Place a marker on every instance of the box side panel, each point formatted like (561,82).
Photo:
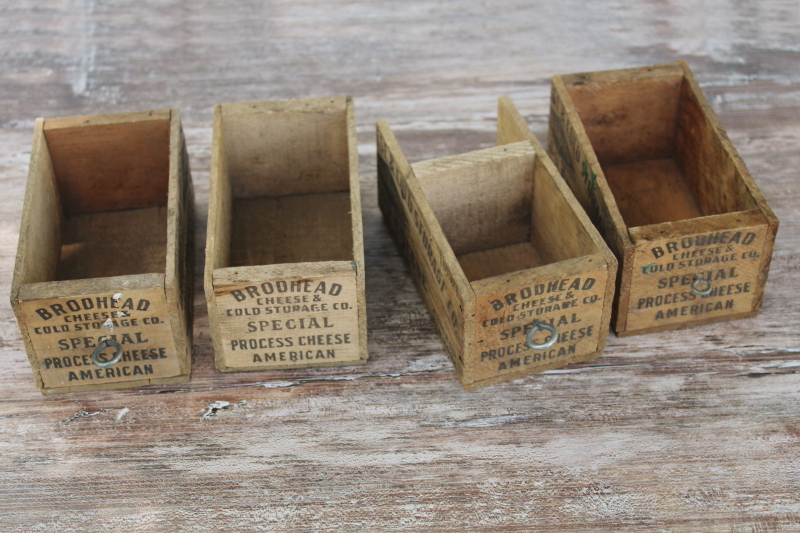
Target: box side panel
(114,162)
(179,280)
(570,150)
(725,251)
(705,158)
(481,199)
(76,121)
(572,231)
(433,265)
(114,243)
(357,228)
(722,195)
(636,73)
(570,296)
(286,148)
(39,245)
(66,330)
(629,119)
(302,228)
(218,231)
(576,234)
(288,316)
(766,258)
(511,127)
(556,231)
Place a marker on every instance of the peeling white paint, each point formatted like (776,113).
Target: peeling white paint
(108,325)
(735,350)
(88,49)
(214,407)
(83,413)
(773,365)
(279,384)
(429,363)
(218,405)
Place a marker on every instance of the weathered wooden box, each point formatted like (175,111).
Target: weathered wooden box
(284,272)
(514,274)
(102,285)
(647,158)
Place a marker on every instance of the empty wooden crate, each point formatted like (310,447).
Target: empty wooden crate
(284,274)
(102,286)
(515,276)
(647,158)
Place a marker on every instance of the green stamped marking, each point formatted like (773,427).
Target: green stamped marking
(646,267)
(588,176)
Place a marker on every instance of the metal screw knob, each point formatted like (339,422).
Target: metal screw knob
(107,342)
(537,325)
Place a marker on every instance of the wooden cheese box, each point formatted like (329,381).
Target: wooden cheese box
(514,274)
(103,282)
(647,158)
(284,271)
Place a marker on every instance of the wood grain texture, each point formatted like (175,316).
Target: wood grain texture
(658,179)
(300,228)
(286,147)
(693,430)
(481,199)
(113,243)
(497,261)
(108,163)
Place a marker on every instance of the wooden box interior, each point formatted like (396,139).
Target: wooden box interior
(661,157)
(500,211)
(112,181)
(287,173)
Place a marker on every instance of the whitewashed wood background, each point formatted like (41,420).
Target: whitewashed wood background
(693,430)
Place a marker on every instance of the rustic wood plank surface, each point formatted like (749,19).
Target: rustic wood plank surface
(689,430)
